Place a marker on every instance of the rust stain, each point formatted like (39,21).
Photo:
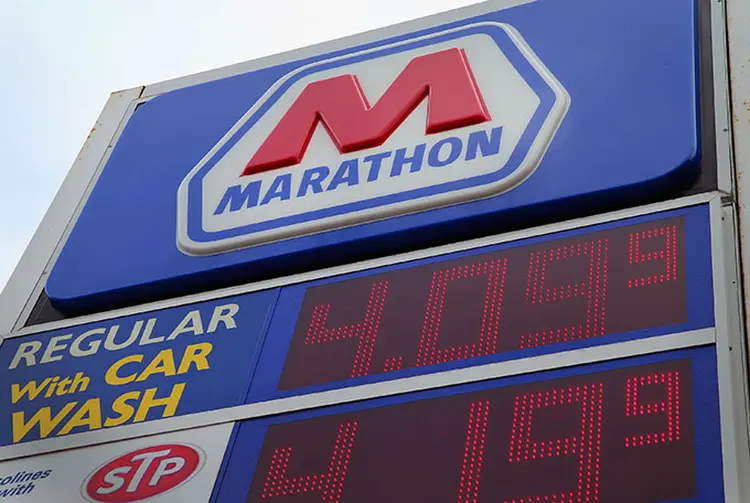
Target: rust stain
(86,142)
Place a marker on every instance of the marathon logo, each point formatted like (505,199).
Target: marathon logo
(368,169)
(410,126)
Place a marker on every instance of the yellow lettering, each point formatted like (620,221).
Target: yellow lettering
(163,363)
(42,417)
(80,383)
(90,414)
(16,392)
(123,408)
(170,403)
(195,353)
(113,378)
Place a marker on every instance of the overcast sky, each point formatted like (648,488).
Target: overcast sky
(60,59)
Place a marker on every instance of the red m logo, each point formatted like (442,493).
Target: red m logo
(340,104)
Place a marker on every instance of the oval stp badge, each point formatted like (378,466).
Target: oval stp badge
(431,121)
(143,474)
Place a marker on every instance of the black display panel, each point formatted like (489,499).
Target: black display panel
(618,436)
(621,279)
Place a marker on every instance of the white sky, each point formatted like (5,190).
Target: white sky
(60,59)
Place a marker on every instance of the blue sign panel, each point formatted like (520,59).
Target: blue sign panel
(537,109)
(635,430)
(139,368)
(613,282)
(634,278)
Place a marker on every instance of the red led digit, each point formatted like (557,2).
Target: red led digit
(670,407)
(556,438)
(586,446)
(366,330)
(593,288)
(428,352)
(525,295)
(393,363)
(667,254)
(330,483)
(476,436)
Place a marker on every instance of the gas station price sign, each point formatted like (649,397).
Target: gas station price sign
(617,432)
(637,277)
(631,278)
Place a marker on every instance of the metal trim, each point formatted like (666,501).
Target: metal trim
(465,375)
(369,264)
(738,53)
(373,35)
(27,280)
(731,389)
(722,122)
(738,35)
(102,161)
(730,351)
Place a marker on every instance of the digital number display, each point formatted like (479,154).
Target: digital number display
(519,297)
(624,435)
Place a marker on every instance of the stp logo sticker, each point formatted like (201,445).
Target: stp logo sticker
(143,474)
(430,121)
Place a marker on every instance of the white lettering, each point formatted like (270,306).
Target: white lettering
(26,350)
(114,479)
(146,337)
(190,323)
(75,348)
(164,468)
(224,314)
(111,345)
(148,458)
(53,346)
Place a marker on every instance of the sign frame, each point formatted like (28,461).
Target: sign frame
(25,288)
(26,285)
(727,335)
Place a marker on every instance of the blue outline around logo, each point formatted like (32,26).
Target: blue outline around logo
(537,83)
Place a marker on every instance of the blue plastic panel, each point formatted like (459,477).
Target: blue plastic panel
(653,276)
(635,430)
(137,368)
(631,130)
(342,347)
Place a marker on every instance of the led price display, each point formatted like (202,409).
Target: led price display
(524,296)
(619,436)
